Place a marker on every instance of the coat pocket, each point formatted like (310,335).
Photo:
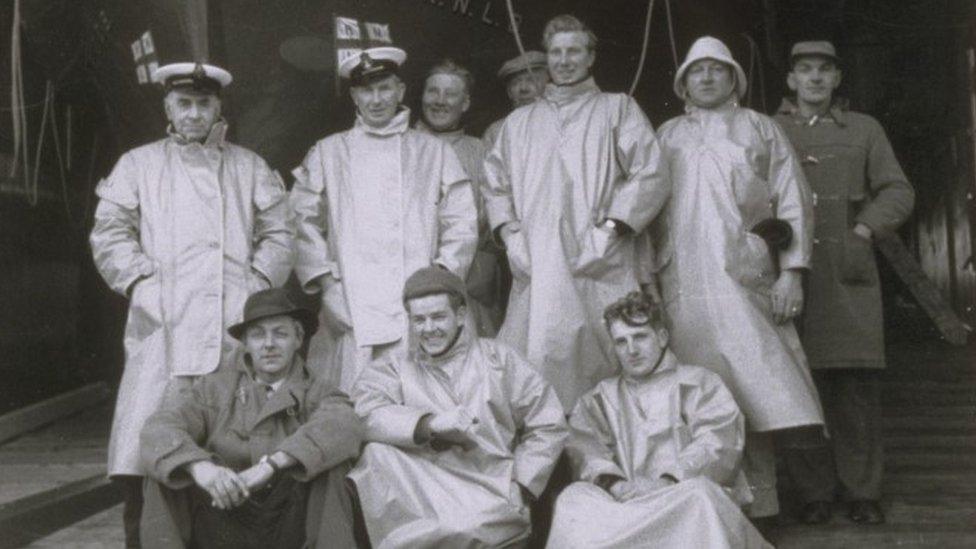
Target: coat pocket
(857,261)
(592,253)
(145,307)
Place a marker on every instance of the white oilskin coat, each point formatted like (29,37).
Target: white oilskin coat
(680,421)
(418,495)
(562,166)
(194,224)
(732,167)
(373,205)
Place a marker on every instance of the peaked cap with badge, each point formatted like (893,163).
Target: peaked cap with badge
(372,64)
(199,77)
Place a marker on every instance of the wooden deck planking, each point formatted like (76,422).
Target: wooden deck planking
(64,452)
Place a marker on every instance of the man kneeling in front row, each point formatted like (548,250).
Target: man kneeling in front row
(243,456)
(462,433)
(657,450)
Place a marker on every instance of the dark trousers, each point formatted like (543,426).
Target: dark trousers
(851,464)
(274,517)
(316,514)
(131,488)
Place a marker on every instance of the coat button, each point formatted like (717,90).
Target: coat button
(215,245)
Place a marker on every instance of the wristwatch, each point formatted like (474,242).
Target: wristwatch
(266,459)
(612,225)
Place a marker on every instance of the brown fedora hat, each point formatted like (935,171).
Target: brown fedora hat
(273,302)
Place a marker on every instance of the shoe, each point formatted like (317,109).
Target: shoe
(866,511)
(815,512)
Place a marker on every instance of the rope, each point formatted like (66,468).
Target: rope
(18,116)
(515,29)
(643,55)
(32,189)
(674,46)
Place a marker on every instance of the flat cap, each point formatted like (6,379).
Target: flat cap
(199,77)
(822,48)
(529,60)
(433,280)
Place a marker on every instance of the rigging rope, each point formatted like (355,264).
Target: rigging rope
(643,55)
(674,46)
(515,29)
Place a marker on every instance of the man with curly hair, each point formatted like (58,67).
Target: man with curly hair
(656,449)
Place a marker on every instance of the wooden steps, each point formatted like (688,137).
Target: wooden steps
(929,425)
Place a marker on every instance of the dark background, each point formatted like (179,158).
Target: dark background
(905,62)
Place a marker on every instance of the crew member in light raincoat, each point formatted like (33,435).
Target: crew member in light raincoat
(861,193)
(525,78)
(254,455)
(186,228)
(656,450)
(463,434)
(373,204)
(729,303)
(572,180)
(446,97)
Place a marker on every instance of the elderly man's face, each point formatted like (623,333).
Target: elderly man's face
(192,113)
(445,100)
(377,101)
(570,57)
(526,86)
(814,79)
(639,348)
(434,323)
(271,343)
(710,83)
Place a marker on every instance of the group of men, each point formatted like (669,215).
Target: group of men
(655,280)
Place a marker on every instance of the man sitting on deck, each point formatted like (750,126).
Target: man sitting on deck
(657,450)
(462,433)
(242,457)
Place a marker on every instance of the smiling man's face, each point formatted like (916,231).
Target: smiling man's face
(570,57)
(271,343)
(444,101)
(435,323)
(377,101)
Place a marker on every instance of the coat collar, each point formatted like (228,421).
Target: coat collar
(289,397)
(730,104)
(669,363)
(459,349)
(397,125)
(215,139)
(451,136)
(560,95)
(838,112)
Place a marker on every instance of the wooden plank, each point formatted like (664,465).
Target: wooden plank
(33,517)
(31,417)
(953,329)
